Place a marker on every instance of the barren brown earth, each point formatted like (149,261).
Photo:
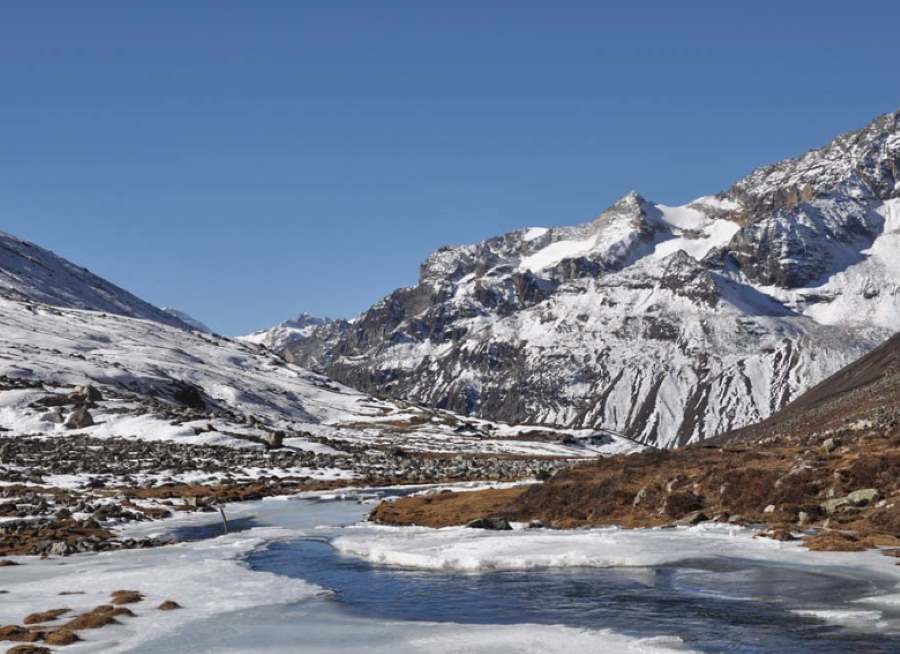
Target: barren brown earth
(837,492)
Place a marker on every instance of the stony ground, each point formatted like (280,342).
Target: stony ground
(63,495)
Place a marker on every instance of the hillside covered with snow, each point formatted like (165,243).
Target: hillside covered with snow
(31,273)
(160,382)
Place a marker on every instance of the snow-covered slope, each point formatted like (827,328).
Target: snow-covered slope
(188,319)
(28,272)
(672,323)
(165,383)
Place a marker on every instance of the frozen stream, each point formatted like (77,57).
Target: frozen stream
(716,601)
(307,575)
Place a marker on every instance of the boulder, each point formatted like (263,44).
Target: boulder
(87,394)
(273,440)
(859,497)
(832,505)
(831,444)
(691,519)
(60,548)
(79,419)
(863,496)
(496,524)
(54,415)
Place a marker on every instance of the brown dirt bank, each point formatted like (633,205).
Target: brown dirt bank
(839,491)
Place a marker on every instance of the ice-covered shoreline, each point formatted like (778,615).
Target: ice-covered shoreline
(461,549)
(464,549)
(211,581)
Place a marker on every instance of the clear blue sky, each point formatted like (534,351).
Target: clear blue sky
(247,161)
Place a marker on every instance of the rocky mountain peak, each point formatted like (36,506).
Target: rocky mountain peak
(669,323)
(863,164)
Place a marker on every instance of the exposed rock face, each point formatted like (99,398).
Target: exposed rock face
(671,324)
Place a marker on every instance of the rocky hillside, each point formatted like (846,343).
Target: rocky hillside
(671,324)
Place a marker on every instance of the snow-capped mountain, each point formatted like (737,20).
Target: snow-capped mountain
(283,334)
(668,323)
(31,273)
(188,319)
